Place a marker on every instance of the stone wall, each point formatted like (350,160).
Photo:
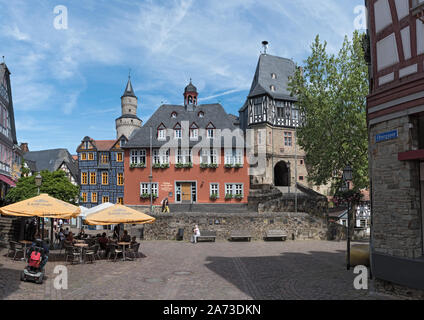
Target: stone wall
(395,192)
(307,201)
(298,226)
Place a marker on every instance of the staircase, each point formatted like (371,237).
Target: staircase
(9,229)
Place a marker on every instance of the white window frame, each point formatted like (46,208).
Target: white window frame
(185,155)
(194,134)
(234,189)
(210,133)
(145,188)
(137,155)
(211,187)
(162,134)
(178,133)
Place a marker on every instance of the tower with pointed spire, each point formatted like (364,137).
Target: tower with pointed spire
(128,121)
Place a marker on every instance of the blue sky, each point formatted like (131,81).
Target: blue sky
(67,84)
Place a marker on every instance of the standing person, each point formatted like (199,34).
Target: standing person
(54,224)
(165,205)
(116,231)
(196,233)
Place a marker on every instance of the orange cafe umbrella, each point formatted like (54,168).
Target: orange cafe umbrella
(43,206)
(118,214)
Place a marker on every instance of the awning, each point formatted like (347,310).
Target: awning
(411,155)
(7,180)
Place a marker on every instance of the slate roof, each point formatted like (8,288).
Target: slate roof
(283,68)
(51,160)
(190,88)
(2,70)
(129,92)
(213,113)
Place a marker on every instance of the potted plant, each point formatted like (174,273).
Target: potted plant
(238,197)
(179,165)
(238,165)
(213,196)
(204,165)
(228,196)
(145,196)
(188,165)
(156,166)
(213,166)
(228,165)
(165,165)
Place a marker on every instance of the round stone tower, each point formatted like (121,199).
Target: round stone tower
(128,121)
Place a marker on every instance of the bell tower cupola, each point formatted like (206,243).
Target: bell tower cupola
(190,95)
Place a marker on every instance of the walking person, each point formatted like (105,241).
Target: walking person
(196,233)
(165,205)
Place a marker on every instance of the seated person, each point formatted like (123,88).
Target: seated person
(66,232)
(70,238)
(81,234)
(126,237)
(103,241)
(133,240)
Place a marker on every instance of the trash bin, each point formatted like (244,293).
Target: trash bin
(180,234)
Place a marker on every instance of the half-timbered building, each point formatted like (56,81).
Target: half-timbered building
(395,114)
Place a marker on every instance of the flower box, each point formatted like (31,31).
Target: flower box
(228,166)
(165,166)
(156,166)
(213,196)
(238,197)
(179,165)
(147,196)
(137,165)
(204,165)
(238,166)
(213,166)
(228,196)
(188,165)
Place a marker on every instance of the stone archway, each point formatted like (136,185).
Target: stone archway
(282,174)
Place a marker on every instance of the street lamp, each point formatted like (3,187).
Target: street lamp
(38,181)
(347,176)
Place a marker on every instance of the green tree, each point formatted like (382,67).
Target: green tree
(332,92)
(55,184)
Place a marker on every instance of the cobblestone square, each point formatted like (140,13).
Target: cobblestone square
(223,271)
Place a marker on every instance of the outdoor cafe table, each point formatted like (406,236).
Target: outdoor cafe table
(123,244)
(25,243)
(81,246)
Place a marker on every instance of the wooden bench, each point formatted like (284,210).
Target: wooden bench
(207,236)
(240,235)
(275,235)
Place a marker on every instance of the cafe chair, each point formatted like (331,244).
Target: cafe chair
(15,248)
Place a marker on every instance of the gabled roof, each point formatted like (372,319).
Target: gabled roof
(51,160)
(282,68)
(213,113)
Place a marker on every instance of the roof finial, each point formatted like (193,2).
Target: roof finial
(129,73)
(265,45)
(3,60)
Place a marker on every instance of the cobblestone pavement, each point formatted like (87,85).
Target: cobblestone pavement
(222,271)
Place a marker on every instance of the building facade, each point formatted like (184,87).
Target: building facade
(190,153)
(101,171)
(395,52)
(10,153)
(270,111)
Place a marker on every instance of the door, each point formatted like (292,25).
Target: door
(186,192)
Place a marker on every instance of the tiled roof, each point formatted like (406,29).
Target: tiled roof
(51,160)
(104,145)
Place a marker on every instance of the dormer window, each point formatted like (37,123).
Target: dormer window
(273,76)
(201,114)
(162,132)
(177,131)
(210,130)
(272,88)
(173,114)
(194,132)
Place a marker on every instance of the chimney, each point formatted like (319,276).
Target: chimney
(24,147)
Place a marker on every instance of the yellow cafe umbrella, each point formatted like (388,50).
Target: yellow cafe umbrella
(43,206)
(118,214)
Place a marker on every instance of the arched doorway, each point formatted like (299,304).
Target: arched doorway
(281,174)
